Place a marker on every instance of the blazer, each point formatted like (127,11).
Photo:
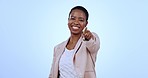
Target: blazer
(84,59)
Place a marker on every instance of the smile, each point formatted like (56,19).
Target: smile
(75,27)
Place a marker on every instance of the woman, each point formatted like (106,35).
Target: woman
(75,57)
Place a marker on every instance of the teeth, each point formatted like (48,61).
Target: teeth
(75,27)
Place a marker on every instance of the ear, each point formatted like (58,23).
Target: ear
(86,23)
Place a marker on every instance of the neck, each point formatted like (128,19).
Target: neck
(74,38)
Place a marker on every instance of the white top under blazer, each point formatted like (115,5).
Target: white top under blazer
(66,66)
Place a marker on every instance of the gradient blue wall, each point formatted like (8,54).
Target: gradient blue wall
(29,30)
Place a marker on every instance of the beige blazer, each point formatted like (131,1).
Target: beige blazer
(84,59)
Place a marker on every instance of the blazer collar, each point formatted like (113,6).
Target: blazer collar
(62,47)
(78,44)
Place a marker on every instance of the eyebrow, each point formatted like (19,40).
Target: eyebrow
(78,17)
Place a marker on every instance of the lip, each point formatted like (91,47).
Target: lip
(75,27)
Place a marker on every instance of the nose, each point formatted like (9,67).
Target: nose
(76,22)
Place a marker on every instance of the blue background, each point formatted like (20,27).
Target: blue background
(29,30)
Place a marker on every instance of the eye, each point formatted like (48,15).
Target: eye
(81,20)
(72,18)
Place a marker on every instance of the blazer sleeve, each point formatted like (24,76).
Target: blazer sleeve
(93,45)
(52,66)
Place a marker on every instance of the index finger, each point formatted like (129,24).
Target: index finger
(85,29)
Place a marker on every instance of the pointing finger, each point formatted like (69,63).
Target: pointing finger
(85,29)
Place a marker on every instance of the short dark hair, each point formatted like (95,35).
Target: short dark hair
(82,9)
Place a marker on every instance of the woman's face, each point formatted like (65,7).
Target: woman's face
(77,22)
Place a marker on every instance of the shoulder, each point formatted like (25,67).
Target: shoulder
(95,34)
(60,45)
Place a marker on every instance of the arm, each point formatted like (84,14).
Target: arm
(92,40)
(52,66)
(93,44)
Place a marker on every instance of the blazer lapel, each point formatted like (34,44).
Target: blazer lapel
(78,45)
(59,52)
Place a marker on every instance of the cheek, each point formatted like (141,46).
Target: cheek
(83,24)
(69,22)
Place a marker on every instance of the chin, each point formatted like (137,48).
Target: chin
(74,33)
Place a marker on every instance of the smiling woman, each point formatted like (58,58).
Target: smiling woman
(75,57)
(29,30)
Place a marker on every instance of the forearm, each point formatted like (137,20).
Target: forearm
(93,44)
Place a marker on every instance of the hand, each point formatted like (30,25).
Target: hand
(87,35)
